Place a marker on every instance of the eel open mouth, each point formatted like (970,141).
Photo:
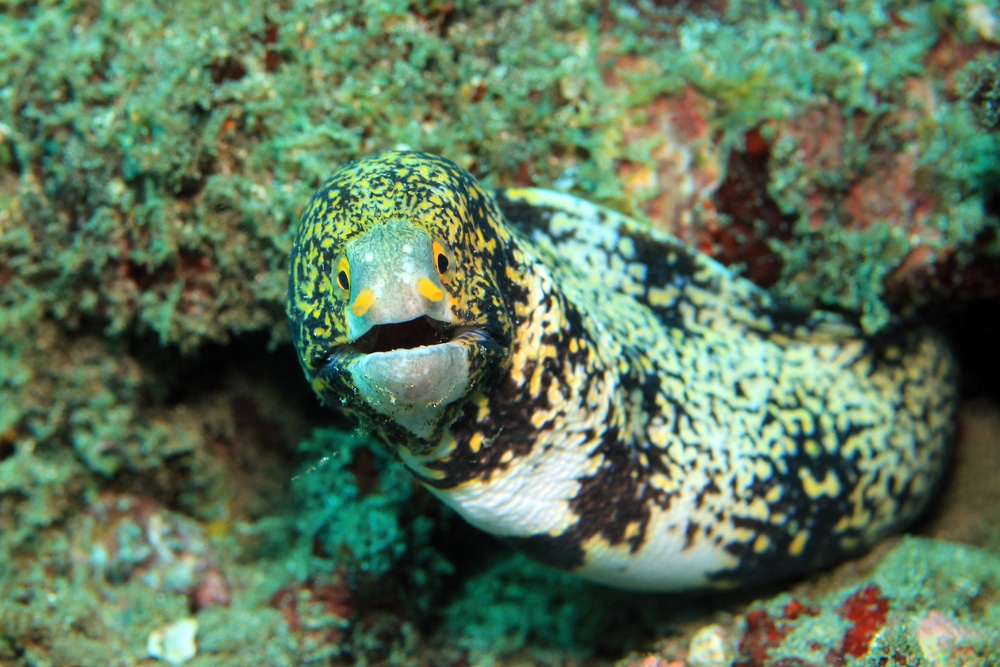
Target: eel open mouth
(420,332)
(409,371)
(417,333)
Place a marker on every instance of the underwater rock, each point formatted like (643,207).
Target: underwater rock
(174,643)
(122,538)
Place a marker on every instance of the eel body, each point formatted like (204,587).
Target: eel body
(600,395)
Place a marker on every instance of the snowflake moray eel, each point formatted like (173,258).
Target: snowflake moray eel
(600,395)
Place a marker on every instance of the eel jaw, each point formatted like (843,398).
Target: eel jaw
(411,371)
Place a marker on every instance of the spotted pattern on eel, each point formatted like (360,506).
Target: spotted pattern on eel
(600,395)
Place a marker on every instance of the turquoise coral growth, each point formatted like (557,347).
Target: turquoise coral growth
(357,511)
(528,605)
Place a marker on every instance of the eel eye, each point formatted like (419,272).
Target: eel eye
(442,259)
(344,273)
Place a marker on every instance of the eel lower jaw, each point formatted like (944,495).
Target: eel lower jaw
(411,371)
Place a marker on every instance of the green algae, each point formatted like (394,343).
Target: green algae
(64,621)
(871,249)
(183,166)
(260,637)
(169,162)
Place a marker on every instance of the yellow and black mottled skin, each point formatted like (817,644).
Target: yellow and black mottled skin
(634,412)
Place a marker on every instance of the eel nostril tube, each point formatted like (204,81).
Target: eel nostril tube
(363,302)
(429,290)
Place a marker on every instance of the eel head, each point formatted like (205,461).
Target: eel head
(395,298)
